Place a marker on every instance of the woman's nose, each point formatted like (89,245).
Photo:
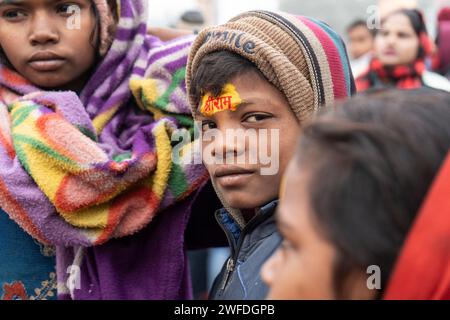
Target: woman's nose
(391,40)
(42,30)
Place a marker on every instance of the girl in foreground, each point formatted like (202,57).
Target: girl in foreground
(88,105)
(365,209)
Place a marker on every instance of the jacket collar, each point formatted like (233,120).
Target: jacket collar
(230,226)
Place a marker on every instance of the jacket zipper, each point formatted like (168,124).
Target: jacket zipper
(231,263)
(230,269)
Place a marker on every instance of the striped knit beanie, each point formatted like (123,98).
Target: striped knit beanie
(303,57)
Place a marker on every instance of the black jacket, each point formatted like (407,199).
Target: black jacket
(240,276)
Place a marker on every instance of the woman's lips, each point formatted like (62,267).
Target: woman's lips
(45,61)
(47,65)
(390,53)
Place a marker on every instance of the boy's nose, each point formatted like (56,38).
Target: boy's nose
(42,31)
(230,145)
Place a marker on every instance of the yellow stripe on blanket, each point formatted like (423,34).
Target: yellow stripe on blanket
(160,179)
(103,119)
(93,217)
(147,90)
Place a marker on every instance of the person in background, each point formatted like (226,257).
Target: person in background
(191,20)
(360,46)
(443,42)
(402,50)
(365,207)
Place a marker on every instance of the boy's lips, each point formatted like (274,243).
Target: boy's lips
(230,176)
(45,61)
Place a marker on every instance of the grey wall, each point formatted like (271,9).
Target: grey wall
(339,13)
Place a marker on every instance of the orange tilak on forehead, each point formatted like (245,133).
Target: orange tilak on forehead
(228,100)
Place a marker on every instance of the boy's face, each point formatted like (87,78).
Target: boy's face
(264,126)
(49,42)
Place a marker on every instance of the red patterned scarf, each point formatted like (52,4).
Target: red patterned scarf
(402,77)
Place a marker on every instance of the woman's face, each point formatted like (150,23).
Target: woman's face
(49,42)
(396,43)
(303,267)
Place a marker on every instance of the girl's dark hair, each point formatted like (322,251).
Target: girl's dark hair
(417,22)
(371,162)
(95,35)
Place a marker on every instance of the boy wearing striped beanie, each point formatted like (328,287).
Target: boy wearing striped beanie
(265,73)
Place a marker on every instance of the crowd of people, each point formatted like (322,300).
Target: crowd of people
(334,184)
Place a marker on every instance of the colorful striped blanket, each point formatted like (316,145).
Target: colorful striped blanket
(79,170)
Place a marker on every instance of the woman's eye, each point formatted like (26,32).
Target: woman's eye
(256,117)
(13,14)
(68,9)
(208,125)
(403,35)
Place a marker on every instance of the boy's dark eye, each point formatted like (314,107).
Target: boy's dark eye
(208,125)
(256,117)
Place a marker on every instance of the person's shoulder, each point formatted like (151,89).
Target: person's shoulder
(436,81)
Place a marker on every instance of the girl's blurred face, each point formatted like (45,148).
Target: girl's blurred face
(49,42)
(396,43)
(303,267)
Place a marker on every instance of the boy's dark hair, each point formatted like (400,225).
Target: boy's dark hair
(371,163)
(360,23)
(215,70)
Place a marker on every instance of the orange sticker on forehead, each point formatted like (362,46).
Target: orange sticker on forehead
(228,100)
